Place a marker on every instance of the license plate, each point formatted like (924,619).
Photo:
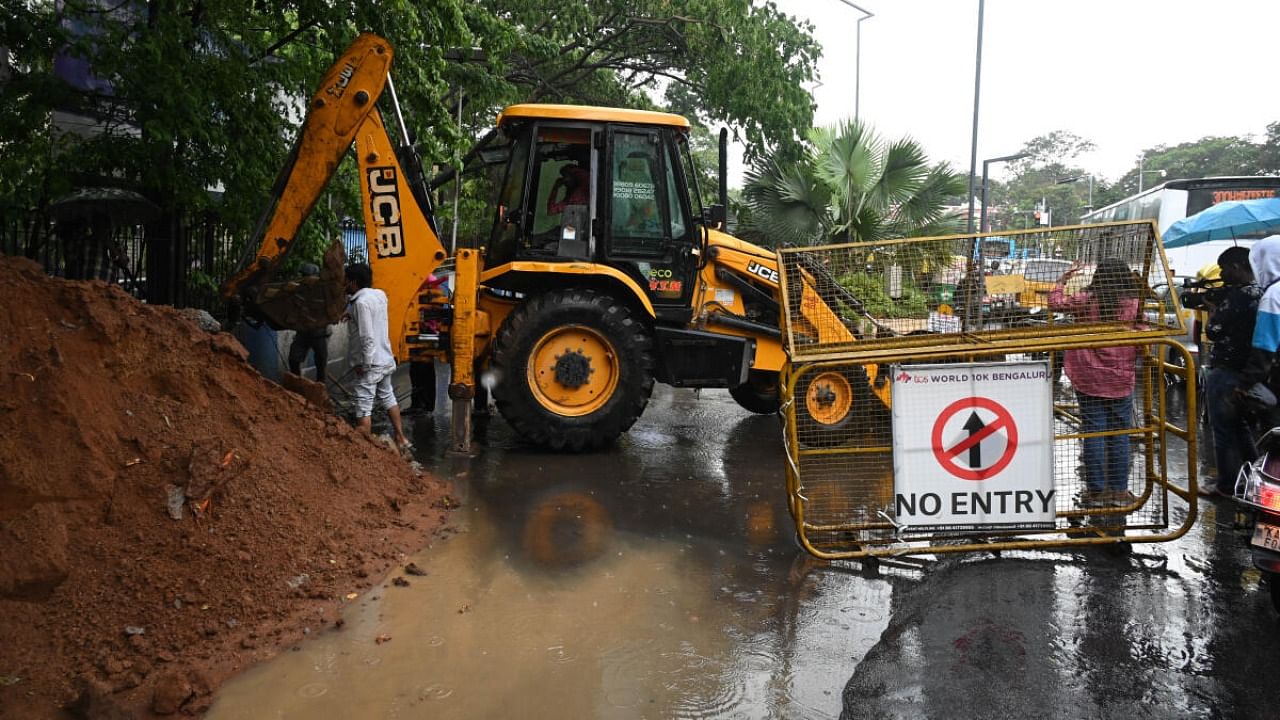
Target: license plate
(1266,536)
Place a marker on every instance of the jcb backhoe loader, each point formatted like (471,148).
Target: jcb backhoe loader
(602,274)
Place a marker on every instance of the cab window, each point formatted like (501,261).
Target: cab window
(560,197)
(678,225)
(508,225)
(639,217)
(690,174)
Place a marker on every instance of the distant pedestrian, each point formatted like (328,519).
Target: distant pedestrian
(1104,379)
(313,340)
(370,351)
(1234,309)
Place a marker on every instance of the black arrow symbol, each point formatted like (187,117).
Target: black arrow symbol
(974,425)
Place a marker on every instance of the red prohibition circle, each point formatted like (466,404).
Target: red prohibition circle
(1003,419)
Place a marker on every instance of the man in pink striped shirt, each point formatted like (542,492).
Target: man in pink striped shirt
(1103,378)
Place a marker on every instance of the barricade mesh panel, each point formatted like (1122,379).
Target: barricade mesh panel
(844,490)
(933,397)
(923,292)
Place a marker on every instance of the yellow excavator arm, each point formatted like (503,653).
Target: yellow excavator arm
(403,248)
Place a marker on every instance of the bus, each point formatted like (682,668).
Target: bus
(1169,202)
(1174,200)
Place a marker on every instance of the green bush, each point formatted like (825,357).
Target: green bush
(869,288)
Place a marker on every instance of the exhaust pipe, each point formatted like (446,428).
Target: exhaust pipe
(724,168)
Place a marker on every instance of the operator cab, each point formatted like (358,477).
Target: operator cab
(600,185)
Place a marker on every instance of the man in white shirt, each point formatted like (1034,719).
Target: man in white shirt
(369,350)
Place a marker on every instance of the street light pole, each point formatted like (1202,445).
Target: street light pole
(1076,179)
(975,248)
(982,223)
(857,62)
(1143,173)
(977,88)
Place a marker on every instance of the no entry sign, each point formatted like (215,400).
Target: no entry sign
(961,431)
(973,445)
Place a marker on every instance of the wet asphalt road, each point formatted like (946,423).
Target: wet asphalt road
(1183,629)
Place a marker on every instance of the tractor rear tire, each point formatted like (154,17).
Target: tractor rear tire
(759,393)
(574,369)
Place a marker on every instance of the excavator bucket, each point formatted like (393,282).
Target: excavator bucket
(308,302)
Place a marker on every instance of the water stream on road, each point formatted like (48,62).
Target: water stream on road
(656,579)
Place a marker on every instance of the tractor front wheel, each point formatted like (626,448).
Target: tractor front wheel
(833,405)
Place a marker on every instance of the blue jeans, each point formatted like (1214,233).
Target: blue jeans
(1232,435)
(1106,459)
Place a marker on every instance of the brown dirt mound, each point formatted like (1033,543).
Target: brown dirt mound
(115,415)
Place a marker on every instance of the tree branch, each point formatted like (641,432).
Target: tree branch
(288,38)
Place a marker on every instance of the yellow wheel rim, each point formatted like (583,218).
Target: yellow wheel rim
(829,397)
(573,370)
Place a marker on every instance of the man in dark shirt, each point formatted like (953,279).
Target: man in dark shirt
(310,340)
(1231,332)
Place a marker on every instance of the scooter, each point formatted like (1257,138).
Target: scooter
(1258,491)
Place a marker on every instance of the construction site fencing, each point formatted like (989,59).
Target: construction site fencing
(183,268)
(950,293)
(927,410)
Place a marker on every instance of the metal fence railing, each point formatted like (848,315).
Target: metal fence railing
(950,293)
(183,270)
(1003,462)
(926,404)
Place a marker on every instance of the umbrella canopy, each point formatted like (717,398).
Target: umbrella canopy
(1225,221)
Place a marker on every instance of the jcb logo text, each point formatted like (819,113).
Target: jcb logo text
(384,204)
(339,86)
(762,272)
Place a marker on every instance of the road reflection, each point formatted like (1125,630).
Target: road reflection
(657,578)
(660,578)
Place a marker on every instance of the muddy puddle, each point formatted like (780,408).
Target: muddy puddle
(657,579)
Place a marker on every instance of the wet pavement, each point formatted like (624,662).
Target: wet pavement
(661,579)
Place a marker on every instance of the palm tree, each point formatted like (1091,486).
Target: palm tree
(851,186)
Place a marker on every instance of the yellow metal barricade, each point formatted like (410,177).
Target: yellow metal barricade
(847,487)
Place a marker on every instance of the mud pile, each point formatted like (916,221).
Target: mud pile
(167,516)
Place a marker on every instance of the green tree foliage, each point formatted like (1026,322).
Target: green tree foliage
(1206,157)
(188,98)
(1052,178)
(850,185)
(717,61)
(1269,153)
(193,97)
(869,288)
(1047,179)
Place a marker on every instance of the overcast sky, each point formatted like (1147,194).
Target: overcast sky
(1125,74)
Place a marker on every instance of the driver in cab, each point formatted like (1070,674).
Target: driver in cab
(573,187)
